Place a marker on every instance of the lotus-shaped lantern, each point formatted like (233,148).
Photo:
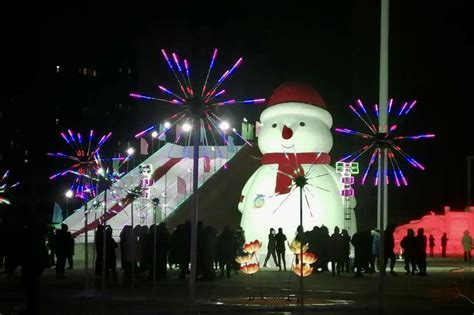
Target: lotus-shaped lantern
(250,268)
(308,258)
(307,270)
(252,247)
(244,259)
(295,247)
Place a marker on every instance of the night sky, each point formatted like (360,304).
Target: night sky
(333,47)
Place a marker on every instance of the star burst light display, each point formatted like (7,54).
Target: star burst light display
(193,102)
(86,162)
(5,188)
(376,141)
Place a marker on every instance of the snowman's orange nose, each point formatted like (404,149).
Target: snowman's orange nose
(286,133)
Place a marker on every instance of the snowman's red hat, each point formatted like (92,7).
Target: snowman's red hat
(297,98)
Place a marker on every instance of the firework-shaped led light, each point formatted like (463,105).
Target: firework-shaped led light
(5,188)
(195,104)
(85,161)
(376,141)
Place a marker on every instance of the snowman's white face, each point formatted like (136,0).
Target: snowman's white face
(297,132)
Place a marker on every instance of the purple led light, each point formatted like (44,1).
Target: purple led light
(176,61)
(376,109)
(359,102)
(141,133)
(71,134)
(402,109)
(167,59)
(220,93)
(65,137)
(390,103)
(411,106)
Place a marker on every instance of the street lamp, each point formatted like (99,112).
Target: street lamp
(186,127)
(69,194)
(224,125)
(167,125)
(154,135)
(130,152)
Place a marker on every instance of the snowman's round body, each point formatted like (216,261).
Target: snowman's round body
(294,134)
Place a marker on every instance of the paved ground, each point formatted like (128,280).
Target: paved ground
(446,290)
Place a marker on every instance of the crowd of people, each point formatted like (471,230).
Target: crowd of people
(150,252)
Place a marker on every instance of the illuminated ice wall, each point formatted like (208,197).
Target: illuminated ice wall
(453,223)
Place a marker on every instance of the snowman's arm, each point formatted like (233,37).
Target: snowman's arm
(245,191)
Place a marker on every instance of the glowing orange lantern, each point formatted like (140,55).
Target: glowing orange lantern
(250,268)
(308,258)
(295,247)
(252,247)
(244,259)
(307,269)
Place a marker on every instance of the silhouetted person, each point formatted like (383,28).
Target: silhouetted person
(226,251)
(431,244)
(62,250)
(280,247)
(346,243)
(374,258)
(208,253)
(162,249)
(51,245)
(300,236)
(99,249)
(271,248)
(110,254)
(444,243)
(421,243)
(33,261)
(336,251)
(183,245)
(389,244)
(141,232)
(467,245)
(324,248)
(360,254)
(408,244)
(128,252)
(70,252)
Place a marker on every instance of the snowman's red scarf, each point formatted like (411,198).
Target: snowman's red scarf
(287,164)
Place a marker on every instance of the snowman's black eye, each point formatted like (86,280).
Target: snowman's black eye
(302,124)
(274,125)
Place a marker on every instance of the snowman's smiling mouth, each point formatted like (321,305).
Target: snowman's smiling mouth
(288,147)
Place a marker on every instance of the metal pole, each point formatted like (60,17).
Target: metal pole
(104,243)
(383,74)
(67,207)
(134,249)
(86,248)
(166,192)
(154,248)
(195,209)
(301,250)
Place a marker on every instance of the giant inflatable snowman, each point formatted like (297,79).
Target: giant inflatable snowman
(295,132)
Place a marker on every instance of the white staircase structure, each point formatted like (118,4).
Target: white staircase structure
(170,164)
